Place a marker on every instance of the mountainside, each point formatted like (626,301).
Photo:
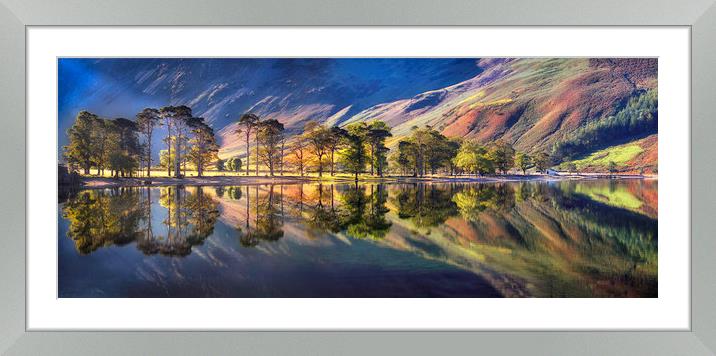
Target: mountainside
(534,104)
(531,103)
(292,90)
(571,107)
(637,156)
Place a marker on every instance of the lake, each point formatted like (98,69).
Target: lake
(588,238)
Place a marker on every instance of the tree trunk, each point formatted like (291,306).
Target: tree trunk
(177,158)
(257,153)
(149,154)
(149,215)
(320,166)
(169,155)
(283,147)
(149,164)
(248,209)
(248,150)
(372,158)
(177,205)
(333,170)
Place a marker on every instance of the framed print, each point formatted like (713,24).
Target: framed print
(357,180)
(452,179)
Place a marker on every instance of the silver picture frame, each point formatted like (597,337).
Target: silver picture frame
(15,16)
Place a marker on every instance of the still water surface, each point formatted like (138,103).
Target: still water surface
(594,238)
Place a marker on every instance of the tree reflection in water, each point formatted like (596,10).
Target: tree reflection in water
(320,216)
(543,240)
(358,211)
(527,239)
(365,215)
(102,218)
(426,205)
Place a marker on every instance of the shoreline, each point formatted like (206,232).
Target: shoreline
(104,182)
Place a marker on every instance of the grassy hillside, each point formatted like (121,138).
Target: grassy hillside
(638,156)
(532,103)
(567,106)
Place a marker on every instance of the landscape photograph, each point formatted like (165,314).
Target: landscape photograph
(357,177)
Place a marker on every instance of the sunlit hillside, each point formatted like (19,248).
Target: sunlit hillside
(584,110)
(535,104)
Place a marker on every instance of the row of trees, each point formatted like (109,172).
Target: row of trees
(115,144)
(427,150)
(125,146)
(270,141)
(103,144)
(188,138)
(356,146)
(499,156)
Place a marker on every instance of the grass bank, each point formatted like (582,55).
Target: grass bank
(228,180)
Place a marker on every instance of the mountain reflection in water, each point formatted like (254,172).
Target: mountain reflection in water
(595,238)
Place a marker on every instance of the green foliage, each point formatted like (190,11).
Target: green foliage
(362,220)
(98,218)
(377,132)
(102,218)
(165,158)
(247,124)
(600,160)
(425,150)
(425,206)
(541,161)
(203,147)
(177,121)
(523,161)
(474,158)
(502,155)
(269,222)
(617,196)
(146,120)
(403,158)
(318,141)
(639,117)
(612,167)
(353,157)
(472,201)
(115,144)
(233,164)
(104,144)
(81,145)
(298,153)
(336,140)
(270,137)
(220,165)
